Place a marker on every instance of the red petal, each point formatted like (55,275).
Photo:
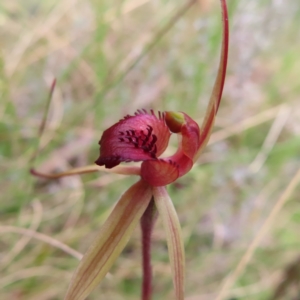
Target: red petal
(134,138)
(159,172)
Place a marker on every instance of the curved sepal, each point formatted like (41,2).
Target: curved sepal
(172,228)
(110,241)
(216,95)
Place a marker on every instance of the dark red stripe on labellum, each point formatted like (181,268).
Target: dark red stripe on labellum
(144,137)
(135,138)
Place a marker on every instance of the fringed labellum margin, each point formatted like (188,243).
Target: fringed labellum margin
(144,137)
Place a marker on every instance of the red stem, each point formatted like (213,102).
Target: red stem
(147,222)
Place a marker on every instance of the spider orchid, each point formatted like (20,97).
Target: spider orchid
(144,137)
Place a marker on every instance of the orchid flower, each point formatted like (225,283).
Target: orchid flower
(143,137)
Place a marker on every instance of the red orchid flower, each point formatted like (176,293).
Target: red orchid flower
(144,137)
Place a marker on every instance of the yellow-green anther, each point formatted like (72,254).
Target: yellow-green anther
(174,121)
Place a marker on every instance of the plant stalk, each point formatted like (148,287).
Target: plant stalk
(147,223)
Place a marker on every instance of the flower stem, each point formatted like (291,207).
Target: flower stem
(147,222)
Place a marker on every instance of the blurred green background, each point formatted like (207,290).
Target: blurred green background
(223,203)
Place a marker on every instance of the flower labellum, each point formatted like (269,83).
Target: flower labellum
(135,138)
(144,137)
